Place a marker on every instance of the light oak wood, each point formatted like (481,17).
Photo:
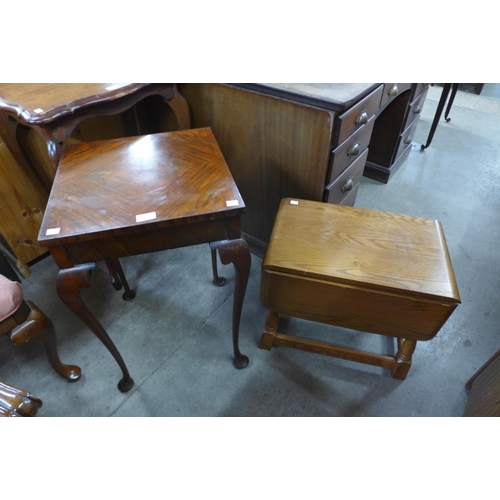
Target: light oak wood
(378,250)
(361,269)
(23,201)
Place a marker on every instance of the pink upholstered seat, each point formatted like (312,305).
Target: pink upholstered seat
(11,297)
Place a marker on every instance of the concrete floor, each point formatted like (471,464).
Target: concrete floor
(175,335)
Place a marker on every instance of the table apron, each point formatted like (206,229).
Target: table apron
(125,245)
(353,307)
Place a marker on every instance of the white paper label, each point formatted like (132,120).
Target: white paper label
(145,217)
(294,202)
(53,231)
(232,203)
(39,110)
(116,86)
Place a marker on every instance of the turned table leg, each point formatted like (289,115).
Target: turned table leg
(403,359)
(269,332)
(70,281)
(237,253)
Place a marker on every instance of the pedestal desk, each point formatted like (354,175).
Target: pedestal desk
(309,141)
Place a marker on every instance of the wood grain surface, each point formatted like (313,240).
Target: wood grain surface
(42,102)
(379,250)
(103,186)
(275,148)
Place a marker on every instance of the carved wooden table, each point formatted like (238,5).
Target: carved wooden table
(130,196)
(53,112)
(361,269)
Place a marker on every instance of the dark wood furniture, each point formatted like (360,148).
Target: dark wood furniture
(361,269)
(475,88)
(23,321)
(54,112)
(309,141)
(395,127)
(447,87)
(130,196)
(484,386)
(15,402)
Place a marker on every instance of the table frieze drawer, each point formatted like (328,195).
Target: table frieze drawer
(359,115)
(349,150)
(391,91)
(347,182)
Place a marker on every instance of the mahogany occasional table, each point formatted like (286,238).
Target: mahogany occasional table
(54,110)
(124,197)
(361,269)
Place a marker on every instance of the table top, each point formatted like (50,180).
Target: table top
(122,186)
(388,252)
(333,96)
(38,103)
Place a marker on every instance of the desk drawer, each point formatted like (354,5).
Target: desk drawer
(341,188)
(406,139)
(419,88)
(348,151)
(359,115)
(415,109)
(391,91)
(350,199)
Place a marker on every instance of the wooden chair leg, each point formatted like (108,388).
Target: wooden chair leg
(38,327)
(17,403)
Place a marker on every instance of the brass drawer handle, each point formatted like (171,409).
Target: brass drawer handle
(354,149)
(417,111)
(408,140)
(348,185)
(362,118)
(393,91)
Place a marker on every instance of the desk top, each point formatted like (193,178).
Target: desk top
(38,103)
(396,253)
(334,96)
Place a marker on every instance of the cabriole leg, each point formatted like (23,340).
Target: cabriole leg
(38,327)
(237,253)
(70,281)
